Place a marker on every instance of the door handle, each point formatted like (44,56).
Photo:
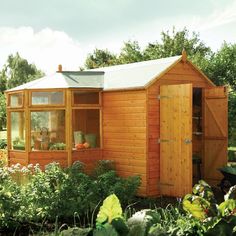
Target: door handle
(165,140)
(187,141)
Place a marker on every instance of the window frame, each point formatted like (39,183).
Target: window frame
(9,100)
(47,109)
(10,130)
(47,105)
(85,105)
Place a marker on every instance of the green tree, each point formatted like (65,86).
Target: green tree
(100,58)
(130,52)
(2,111)
(18,71)
(15,72)
(173,43)
(222,66)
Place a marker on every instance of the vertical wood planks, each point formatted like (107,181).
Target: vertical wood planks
(175,131)
(215,114)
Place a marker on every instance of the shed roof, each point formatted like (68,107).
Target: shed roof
(135,75)
(127,76)
(66,79)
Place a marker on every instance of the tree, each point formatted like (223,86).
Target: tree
(15,72)
(173,44)
(222,66)
(100,58)
(18,71)
(2,111)
(130,52)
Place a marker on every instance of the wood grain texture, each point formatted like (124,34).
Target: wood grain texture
(124,132)
(215,110)
(175,128)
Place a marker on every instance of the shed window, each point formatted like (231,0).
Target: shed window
(18,130)
(86,128)
(85,97)
(48,130)
(16,100)
(47,98)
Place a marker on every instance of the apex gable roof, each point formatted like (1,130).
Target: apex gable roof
(126,76)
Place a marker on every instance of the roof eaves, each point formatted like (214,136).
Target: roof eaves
(124,89)
(157,77)
(201,73)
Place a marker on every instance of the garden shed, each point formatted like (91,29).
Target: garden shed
(161,119)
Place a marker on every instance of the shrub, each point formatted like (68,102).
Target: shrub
(29,195)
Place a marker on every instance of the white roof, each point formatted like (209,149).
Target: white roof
(65,79)
(135,75)
(127,76)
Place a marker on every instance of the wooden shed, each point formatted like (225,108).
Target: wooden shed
(161,119)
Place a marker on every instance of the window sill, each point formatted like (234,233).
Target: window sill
(86,149)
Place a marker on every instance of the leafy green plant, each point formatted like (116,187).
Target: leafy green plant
(3,143)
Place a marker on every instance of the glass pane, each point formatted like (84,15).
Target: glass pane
(48,130)
(86,128)
(18,130)
(86,97)
(47,98)
(16,100)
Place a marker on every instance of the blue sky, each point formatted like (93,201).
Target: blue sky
(50,32)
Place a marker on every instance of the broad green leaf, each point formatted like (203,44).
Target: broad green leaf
(227,207)
(109,210)
(197,206)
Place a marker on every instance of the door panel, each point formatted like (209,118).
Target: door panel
(175,139)
(215,114)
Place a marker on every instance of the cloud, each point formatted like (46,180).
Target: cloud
(46,48)
(219,17)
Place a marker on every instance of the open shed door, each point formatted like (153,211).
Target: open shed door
(175,139)
(215,121)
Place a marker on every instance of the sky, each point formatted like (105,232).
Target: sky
(52,32)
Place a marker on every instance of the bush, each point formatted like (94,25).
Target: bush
(29,195)
(3,143)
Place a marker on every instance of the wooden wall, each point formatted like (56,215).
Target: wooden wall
(124,133)
(17,157)
(89,157)
(46,157)
(181,73)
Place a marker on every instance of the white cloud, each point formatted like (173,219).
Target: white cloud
(46,48)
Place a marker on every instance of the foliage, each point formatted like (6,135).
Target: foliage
(30,196)
(173,43)
(3,143)
(222,66)
(2,110)
(102,167)
(231,118)
(130,52)
(16,71)
(100,58)
(110,210)
(125,189)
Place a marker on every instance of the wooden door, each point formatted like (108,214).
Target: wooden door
(175,139)
(215,129)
